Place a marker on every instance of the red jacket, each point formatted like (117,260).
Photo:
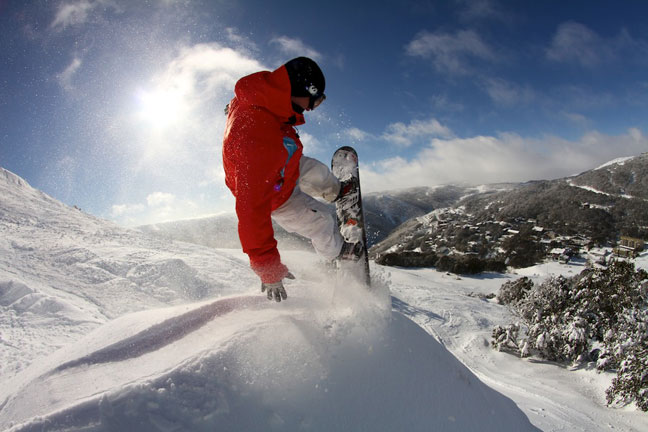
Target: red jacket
(261,153)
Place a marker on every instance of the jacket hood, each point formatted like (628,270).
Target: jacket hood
(269,90)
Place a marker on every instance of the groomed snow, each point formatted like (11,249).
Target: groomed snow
(107,329)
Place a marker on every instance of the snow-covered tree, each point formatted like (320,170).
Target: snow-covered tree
(599,315)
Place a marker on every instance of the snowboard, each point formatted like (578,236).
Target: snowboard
(350,215)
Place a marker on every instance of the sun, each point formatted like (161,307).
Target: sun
(160,108)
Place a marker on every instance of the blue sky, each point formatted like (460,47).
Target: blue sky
(116,106)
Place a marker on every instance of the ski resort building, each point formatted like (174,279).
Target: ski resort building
(629,247)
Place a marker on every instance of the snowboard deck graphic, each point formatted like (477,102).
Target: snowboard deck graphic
(349,211)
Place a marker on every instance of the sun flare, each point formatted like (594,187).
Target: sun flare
(160,108)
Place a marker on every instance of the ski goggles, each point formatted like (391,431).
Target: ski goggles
(315,101)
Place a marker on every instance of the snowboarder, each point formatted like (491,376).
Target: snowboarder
(268,174)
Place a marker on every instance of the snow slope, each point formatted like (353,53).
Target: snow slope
(554,397)
(65,273)
(242,363)
(108,329)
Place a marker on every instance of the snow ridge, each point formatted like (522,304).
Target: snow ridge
(164,333)
(12,179)
(617,161)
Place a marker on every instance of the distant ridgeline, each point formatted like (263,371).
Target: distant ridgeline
(520,225)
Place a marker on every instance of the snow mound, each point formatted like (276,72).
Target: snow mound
(24,299)
(243,363)
(10,178)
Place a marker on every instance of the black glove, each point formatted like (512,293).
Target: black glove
(276,290)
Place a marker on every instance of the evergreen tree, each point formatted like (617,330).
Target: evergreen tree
(599,315)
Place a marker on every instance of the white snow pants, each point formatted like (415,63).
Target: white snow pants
(308,217)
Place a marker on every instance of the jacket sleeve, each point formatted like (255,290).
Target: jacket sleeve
(255,177)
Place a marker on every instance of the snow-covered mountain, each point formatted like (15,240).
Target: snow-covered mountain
(385,211)
(108,329)
(624,177)
(599,205)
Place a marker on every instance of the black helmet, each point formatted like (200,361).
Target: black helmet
(306,78)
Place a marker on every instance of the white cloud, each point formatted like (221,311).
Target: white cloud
(295,48)
(443,103)
(242,44)
(508,93)
(157,199)
(636,135)
(504,158)
(405,134)
(576,43)
(72,13)
(204,68)
(451,53)
(65,78)
(213,176)
(77,12)
(311,144)
(124,210)
(576,118)
(357,135)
